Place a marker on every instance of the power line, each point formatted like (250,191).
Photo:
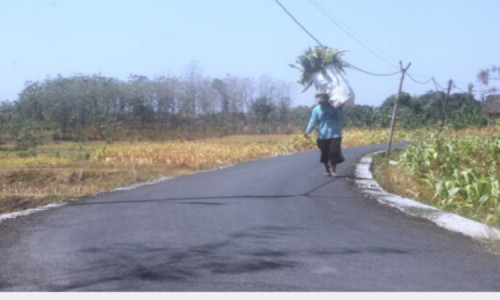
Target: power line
(458,88)
(342,27)
(346,30)
(298,23)
(371,73)
(319,43)
(436,85)
(417,81)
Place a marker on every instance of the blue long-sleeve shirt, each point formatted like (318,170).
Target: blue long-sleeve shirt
(328,119)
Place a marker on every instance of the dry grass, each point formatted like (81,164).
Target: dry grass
(60,171)
(398,181)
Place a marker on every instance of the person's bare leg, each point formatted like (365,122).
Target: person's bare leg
(327,170)
(333,169)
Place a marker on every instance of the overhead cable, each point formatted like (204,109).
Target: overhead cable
(319,43)
(298,23)
(419,82)
(436,84)
(337,23)
(371,73)
(458,88)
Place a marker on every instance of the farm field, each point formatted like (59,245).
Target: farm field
(456,171)
(60,171)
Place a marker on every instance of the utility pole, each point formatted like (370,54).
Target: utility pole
(444,117)
(396,102)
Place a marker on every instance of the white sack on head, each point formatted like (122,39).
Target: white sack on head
(332,82)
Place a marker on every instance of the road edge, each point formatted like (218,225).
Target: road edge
(368,186)
(29,211)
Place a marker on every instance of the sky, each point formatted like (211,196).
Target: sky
(442,39)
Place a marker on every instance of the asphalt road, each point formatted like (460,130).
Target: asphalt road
(275,224)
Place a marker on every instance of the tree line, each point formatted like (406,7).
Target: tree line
(462,110)
(83,107)
(94,107)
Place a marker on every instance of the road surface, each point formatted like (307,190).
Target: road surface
(275,224)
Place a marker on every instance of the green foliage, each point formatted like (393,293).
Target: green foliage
(316,60)
(464,172)
(5,118)
(361,116)
(463,111)
(263,107)
(25,133)
(299,116)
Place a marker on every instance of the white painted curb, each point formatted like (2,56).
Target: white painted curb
(365,182)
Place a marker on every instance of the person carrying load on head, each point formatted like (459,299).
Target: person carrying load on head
(327,117)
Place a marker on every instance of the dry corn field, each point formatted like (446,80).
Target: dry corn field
(62,171)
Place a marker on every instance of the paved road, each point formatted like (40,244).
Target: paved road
(271,225)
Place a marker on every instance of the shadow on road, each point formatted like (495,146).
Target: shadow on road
(199,200)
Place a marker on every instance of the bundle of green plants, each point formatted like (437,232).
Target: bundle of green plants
(313,61)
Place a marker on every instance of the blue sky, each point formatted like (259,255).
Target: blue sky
(444,39)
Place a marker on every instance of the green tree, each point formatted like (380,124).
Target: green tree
(220,87)
(140,100)
(166,93)
(465,111)
(300,116)
(30,104)
(6,109)
(262,107)
(384,111)
(361,116)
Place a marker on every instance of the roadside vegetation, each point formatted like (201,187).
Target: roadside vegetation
(457,171)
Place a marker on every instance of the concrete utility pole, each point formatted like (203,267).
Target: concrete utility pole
(394,111)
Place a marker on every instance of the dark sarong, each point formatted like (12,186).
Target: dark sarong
(331,150)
